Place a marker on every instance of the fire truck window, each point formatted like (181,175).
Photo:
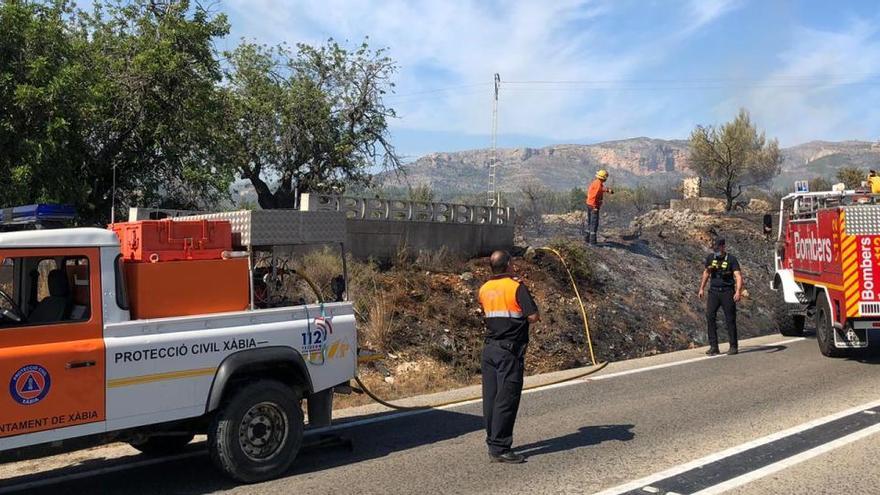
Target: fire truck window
(6,276)
(121,291)
(77,271)
(44,291)
(42,276)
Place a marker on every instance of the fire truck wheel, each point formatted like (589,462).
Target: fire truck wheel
(786,323)
(162,445)
(257,433)
(824,328)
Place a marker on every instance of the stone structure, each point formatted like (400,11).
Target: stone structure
(691,188)
(380,228)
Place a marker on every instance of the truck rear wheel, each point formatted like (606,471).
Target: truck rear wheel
(257,433)
(162,445)
(786,323)
(824,328)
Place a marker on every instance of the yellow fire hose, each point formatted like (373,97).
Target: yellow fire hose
(596,366)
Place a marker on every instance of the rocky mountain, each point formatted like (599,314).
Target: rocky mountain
(823,158)
(630,161)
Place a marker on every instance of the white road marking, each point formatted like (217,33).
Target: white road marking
(651,489)
(634,485)
(791,461)
(361,422)
(870,412)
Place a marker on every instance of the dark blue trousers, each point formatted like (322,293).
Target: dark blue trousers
(503,368)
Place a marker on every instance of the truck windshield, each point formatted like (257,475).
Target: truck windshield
(42,290)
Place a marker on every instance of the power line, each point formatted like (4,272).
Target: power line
(438,90)
(849,76)
(695,87)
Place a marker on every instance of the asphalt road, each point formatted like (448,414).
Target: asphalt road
(589,436)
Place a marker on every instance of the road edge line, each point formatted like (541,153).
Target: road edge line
(790,461)
(717,456)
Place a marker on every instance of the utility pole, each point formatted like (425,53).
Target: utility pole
(493,196)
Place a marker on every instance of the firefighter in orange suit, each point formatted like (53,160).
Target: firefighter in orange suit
(509,309)
(595,195)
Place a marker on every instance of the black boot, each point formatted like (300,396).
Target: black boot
(713,351)
(509,457)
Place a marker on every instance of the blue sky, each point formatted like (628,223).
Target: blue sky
(581,71)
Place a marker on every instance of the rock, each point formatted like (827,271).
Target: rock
(389,380)
(759,205)
(467,276)
(702,205)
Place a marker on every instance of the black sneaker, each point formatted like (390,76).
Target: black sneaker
(713,351)
(733,351)
(509,457)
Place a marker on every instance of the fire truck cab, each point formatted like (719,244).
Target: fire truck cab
(96,346)
(827,257)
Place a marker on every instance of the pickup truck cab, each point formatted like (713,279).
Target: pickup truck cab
(74,364)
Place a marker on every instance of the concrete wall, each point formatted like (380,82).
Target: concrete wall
(379,229)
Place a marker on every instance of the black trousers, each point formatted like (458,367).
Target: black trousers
(591,224)
(503,367)
(724,299)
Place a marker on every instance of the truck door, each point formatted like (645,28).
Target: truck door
(51,340)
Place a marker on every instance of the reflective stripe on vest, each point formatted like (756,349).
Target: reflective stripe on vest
(504,314)
(498,298)
(722,266)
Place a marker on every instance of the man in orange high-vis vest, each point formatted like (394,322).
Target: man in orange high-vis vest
(595,195)
(508,308)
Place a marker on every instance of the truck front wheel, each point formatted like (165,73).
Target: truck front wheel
(824,328)
(786,323)
(257,433)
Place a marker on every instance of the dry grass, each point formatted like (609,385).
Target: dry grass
(408,379)
(377,331)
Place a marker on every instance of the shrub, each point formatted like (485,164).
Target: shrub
(378,328)
(576,257)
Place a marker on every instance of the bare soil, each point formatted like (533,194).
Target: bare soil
(639,286)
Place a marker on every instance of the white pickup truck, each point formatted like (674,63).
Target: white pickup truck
(76,365)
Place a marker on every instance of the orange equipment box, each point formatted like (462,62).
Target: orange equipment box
(170,240)
(181,288)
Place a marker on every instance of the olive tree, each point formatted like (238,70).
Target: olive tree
(733,156)
(310,119)
(851,176)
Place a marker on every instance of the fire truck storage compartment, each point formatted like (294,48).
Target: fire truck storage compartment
(182,288)
(168,240)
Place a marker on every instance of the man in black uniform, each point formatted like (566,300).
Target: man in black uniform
(509,308)
(725,290)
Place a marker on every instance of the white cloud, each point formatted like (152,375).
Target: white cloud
(703,12)
(464,42)
(823,80)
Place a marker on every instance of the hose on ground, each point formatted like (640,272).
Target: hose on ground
(596,367)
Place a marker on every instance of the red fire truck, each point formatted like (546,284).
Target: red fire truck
(827,254)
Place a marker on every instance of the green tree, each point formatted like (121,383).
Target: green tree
(422,192)
(820,184)
(576,199)
(851,176)
(312,119)
(733,156)
(44,83)
(128,87)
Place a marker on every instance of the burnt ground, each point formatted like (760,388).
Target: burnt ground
(639,285)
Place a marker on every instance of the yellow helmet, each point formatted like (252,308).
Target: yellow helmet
(602,174)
